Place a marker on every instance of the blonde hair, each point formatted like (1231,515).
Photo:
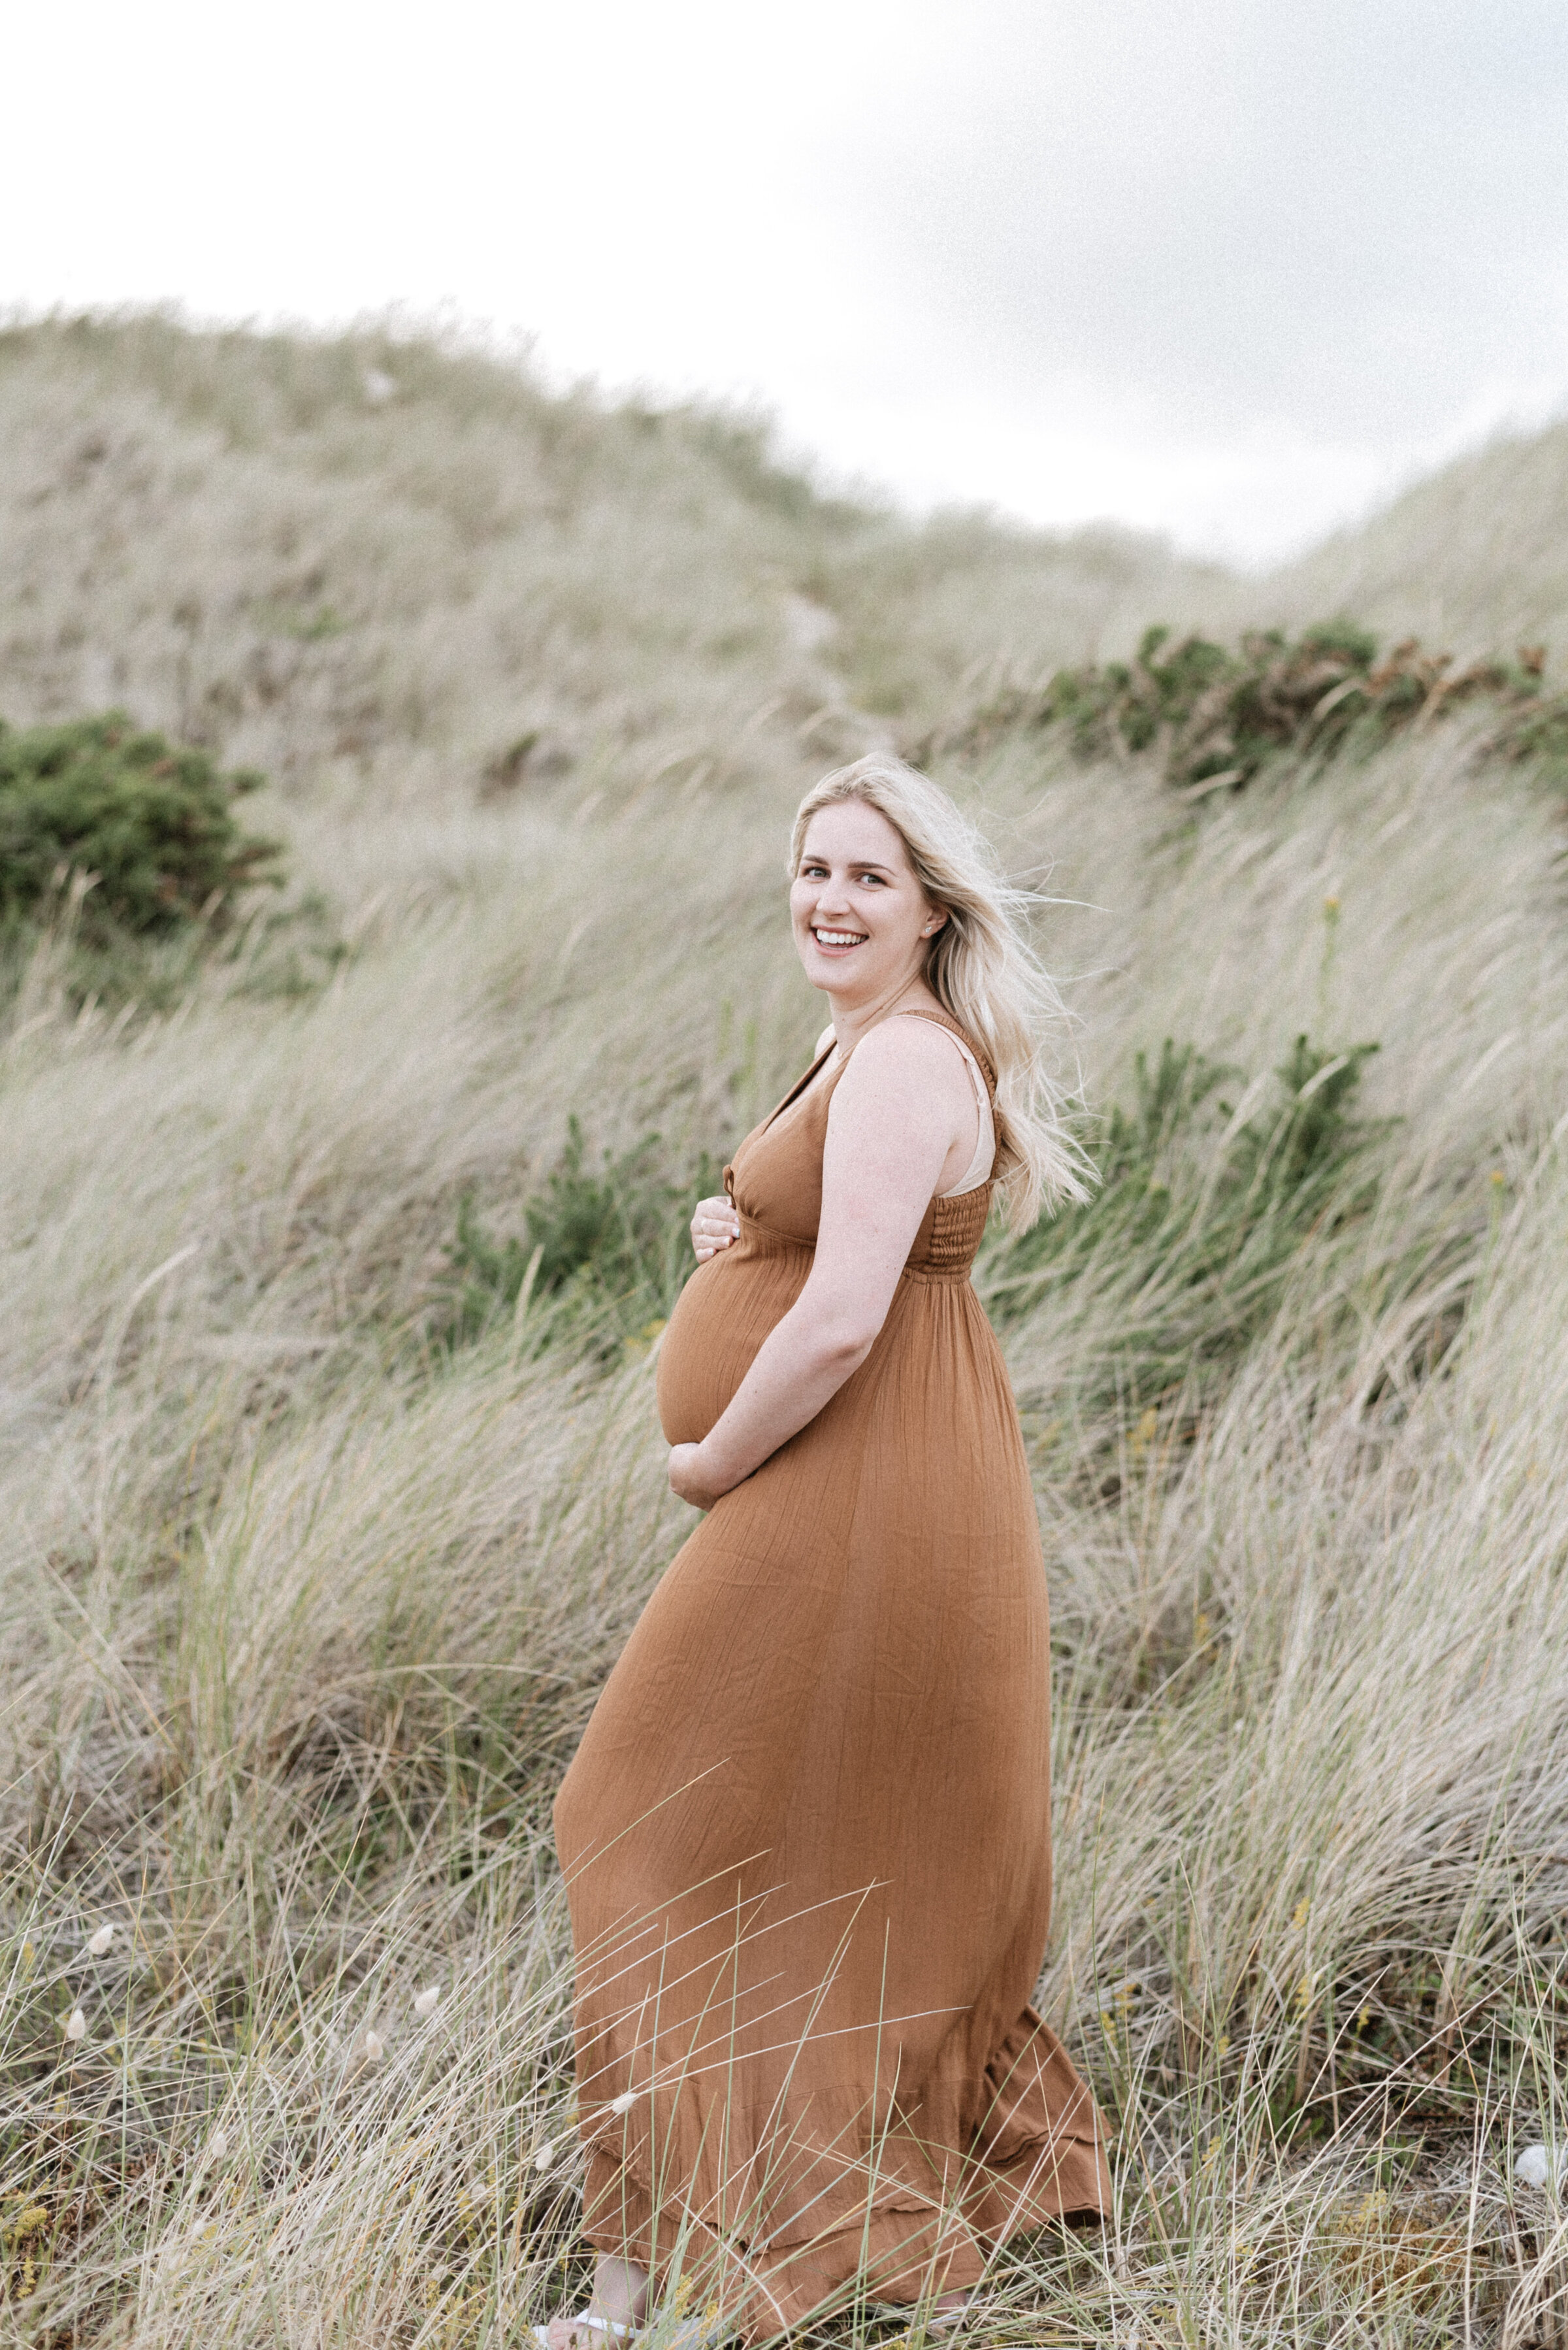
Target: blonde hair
(981,969)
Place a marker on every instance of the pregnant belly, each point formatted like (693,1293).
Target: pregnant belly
(720,1318)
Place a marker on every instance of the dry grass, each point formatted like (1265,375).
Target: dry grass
(387,596)
(302,1612)
(1472,558)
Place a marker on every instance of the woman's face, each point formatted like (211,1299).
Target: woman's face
(860,918)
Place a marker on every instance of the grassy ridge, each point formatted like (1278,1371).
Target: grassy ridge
(392,568)
(303,1604)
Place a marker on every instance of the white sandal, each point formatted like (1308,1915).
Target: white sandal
(588,2323)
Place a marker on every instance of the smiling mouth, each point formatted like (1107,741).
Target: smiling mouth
(839,938)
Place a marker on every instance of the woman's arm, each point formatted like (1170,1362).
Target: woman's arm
(899,1109)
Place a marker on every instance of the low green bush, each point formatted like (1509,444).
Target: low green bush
(153,825)
(1221,716)
(1189,1234)
(602,1257)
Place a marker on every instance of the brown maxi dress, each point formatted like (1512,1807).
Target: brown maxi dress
(806,1836)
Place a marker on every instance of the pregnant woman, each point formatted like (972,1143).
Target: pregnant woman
(808,1833)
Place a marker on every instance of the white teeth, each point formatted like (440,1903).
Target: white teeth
(839,938)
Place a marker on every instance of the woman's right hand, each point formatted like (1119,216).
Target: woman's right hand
(713,1227)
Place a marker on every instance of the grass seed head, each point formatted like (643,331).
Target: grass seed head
(1535,2166)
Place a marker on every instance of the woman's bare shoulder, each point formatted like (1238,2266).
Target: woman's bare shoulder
(907,1045)
(900,1105)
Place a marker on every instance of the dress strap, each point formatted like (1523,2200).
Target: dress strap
(802,1084)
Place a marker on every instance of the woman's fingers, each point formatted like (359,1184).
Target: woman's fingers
(713,1227)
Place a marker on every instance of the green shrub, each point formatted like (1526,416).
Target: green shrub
(602,1255)
(1190,1236)
(154,825)
(1221,716)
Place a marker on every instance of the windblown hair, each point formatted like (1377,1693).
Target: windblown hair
(980,967)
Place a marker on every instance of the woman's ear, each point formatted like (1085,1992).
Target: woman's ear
(935,921)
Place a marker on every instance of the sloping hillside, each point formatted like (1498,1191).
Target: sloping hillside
(413,568)
(360,560)
(1474,557)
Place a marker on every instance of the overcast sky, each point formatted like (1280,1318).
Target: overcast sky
(1231,268)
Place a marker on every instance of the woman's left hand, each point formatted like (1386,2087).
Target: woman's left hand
(688,1477)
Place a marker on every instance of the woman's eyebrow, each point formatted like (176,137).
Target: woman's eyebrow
(855,864)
